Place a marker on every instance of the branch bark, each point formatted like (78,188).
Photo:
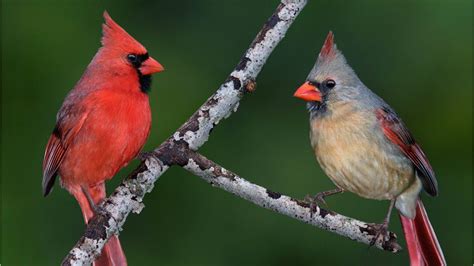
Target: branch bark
(222,178)
(180,149)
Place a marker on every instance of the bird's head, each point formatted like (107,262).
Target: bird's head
(331,80)
(125,55)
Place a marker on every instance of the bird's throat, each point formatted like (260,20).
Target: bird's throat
(145,82)
(316,108)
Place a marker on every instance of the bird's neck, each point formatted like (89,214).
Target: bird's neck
(330,111)
(316,109)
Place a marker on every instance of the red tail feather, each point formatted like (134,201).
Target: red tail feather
(112,253)
(422,243)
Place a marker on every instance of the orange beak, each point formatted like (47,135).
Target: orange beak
(151,66)
(308,92)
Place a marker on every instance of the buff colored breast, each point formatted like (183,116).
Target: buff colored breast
(352,151)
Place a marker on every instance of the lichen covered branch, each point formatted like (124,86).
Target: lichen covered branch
(194,133)
(222,178)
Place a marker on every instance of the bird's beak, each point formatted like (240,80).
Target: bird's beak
(308,92)
(151,66)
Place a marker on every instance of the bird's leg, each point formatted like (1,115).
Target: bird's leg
(381,229)
(96,208)
(318,199)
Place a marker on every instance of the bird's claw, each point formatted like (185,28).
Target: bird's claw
(98,209)
(314,202)
(320,198)
(381,231)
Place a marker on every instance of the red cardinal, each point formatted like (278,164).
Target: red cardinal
(364,148)
(102,125)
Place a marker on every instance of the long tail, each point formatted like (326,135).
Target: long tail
(423,246)
(112,253)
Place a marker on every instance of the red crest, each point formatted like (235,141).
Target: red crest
(329,48)
(115,36)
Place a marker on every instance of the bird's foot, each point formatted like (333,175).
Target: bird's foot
(142,156)
(97,208)
(318,199)
(314,202)
(380,232)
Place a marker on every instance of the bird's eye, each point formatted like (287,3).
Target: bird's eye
(132,58)
(329,83)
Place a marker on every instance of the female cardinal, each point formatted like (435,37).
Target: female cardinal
(364,148)
(102,125)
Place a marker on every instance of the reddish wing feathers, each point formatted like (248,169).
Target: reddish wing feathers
(73,113)
(69,122)
(396,132)
(53,157)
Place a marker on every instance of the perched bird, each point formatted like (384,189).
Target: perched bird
(102,125)
(364,147)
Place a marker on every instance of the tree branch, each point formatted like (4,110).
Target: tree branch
(180,149)
(222,178)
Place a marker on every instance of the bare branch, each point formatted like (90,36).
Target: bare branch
(222,178)
(194,133)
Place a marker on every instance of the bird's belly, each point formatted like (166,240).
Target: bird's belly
(355,160)
(366,176)
(107,141)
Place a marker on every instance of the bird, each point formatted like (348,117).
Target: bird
(102,125)
(365,148)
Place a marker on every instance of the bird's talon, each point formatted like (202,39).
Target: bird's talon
(313,204)
(98,209)
(320,199)
(381,232)
(317,199)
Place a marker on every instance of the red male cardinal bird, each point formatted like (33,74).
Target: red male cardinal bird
(364,148)
(102,125)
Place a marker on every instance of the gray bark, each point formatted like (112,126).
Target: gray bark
(180,149)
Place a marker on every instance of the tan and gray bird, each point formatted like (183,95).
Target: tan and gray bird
(364,147)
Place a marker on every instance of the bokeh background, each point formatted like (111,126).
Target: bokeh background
(417,55)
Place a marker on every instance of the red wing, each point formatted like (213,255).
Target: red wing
(396,132)
(69,122)
(53,157)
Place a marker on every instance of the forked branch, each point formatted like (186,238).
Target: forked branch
(180,149)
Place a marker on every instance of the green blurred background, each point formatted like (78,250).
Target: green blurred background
(417,55)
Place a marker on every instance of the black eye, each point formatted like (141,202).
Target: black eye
(329,83)
(132,58)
